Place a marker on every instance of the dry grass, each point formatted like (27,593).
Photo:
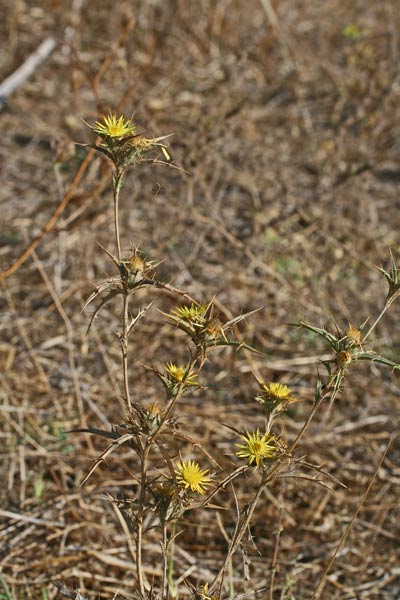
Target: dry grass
(291,136)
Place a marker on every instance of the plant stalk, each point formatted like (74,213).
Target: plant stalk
(237,537)
(117,184)
(139,520)
(164,554)
(124,347)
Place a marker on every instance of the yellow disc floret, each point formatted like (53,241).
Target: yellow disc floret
(277,391)
(177,373)
(191,477)
(114,127)
(257,447)
(181,374)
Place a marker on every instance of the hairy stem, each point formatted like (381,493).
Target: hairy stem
(389,301)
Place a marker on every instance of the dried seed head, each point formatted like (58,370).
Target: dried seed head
(343,358)
(215,328)
(354,335)
(203,593)
(136,263)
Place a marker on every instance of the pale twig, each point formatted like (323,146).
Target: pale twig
(26,70)
(53,219)
(117,182)
(31,351)
(124,348)
(317,594)
(274,562)
(70,336)
(164,559)
(388,304)
(49,226)
(28,519)
(240,530)
(125,528)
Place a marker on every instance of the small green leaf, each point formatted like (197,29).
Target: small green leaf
(318,388)
(39,487)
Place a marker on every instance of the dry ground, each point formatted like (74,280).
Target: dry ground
(289,124)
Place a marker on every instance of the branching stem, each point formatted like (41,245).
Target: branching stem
(240,530)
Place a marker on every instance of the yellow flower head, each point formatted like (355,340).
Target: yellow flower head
(191,477)
(277,391)
(274,397)
(180,374)
(193,313)
(257,447)
(177,373)
(113,127)
(202,593)
(154,409)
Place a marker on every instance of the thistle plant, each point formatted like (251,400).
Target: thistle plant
(348,347)
(257,447)
(191,477)
(170,482)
